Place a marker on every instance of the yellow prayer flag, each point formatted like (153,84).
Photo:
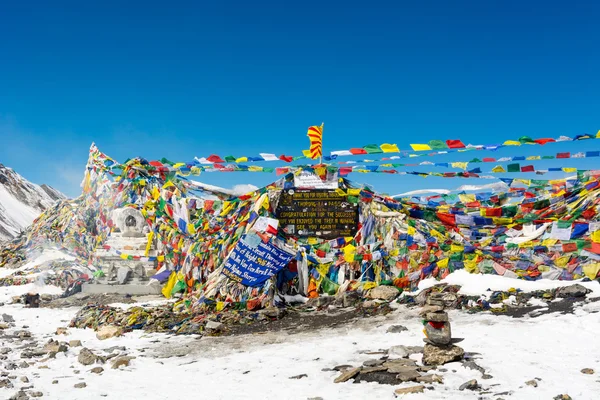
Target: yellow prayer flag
(461,165)
(443,263)
(389,148)
(502,220)
(420,147)
(411,231)
(456,248)
(512,143)
(569,170)
(534,158)
(498,169)
(595,236)
(241,159)
(591,270)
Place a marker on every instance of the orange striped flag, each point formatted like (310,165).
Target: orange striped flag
(315,134)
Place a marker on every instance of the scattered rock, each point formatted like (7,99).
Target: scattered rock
(369,304)
(7,318)
(575,290)
(36,394)
(380,377)
(430,379)
(55,347)
(24,379)
(54,382)
(396,365)
(121,361)
(439,355)
(562,397)
(5,350)
(273,312)
(46,297)
(404,351)
(4,325)
(97,370)
(20,395)
(80,385)
(486,376)
(24,364)
(409,390)
(406,374)
(473,365)
(587,371)
(23,334)
(6,383)
(470,385)
(368,370)
(349,299)
(373,363)
(108,331)
(299,376)
(396,329)
(347,375)
(532,382)
(342,367)
(115,348)
(61,331)
(387,293)
(86,357)
(75,343)
(214,326)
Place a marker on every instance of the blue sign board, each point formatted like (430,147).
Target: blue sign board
(252,262)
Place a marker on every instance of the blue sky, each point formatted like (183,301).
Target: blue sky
(179,80)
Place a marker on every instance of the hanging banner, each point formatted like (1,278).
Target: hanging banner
(325,214)
(252,262)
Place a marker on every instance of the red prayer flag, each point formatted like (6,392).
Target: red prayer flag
(344,171)
(286,158)
(447,219)
(563,155)
(527,168)
(215,159)
(356,151)
(543,141)
(493,212)
(569,247)
(489,159)
(455,144)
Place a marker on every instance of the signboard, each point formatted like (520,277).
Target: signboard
(252,261)
(309,180)
(316,213)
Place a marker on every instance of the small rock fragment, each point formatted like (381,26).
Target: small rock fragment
(108,331)
(587,371)
(347,375)
(121,361)
(86,357)
(97,370)
(409,390)
(430,379)
(80,385)
(396,329)
(299,376)
(61,331)
(532,382)
(75,343)
(470,385)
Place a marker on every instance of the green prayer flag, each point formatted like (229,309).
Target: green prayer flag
(372,149)
(513,167)
(437,145)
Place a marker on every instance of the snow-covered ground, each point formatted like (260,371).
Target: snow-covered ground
(551,347)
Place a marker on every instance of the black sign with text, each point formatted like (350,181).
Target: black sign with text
(321,213)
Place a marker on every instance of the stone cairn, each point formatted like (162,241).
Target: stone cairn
(439,345)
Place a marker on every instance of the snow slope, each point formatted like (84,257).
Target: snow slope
(21,202)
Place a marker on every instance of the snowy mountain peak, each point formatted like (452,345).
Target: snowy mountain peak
(21,202)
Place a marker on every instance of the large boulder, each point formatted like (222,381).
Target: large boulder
(387,293)
(575,290)
(439,355)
